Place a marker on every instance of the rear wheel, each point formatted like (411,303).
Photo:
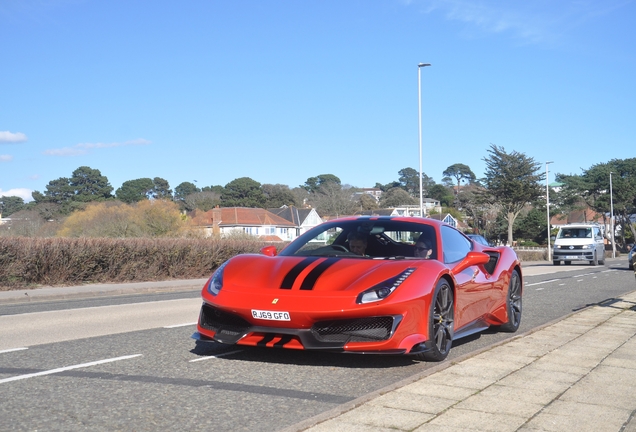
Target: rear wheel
(441,323)
(513,304)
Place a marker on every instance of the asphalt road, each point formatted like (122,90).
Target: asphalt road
(128,363)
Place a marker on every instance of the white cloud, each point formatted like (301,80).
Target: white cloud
(83,148)
(6,158)
(6,136)
(537,22)
(23,193)
(66,151)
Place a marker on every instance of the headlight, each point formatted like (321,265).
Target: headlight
(383,289)
(216,281)
(588,246)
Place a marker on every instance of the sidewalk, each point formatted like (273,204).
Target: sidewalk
(576,374)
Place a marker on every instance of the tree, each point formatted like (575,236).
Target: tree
(593,188)
(459,172)
(89,185)
(57,191)
(332,199)
(161,189)
(278,195)
(396,197)
(442,194)
(132,191)
(182,191)
(10,205)
(243,192)
(313,183)
(533,226)
(410,181)
(511,181)
(204,200)
(102,219)
(367,202)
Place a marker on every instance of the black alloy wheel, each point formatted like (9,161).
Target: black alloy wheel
(441,325)
(513,304)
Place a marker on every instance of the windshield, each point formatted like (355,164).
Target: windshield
(575,233)
(370,239)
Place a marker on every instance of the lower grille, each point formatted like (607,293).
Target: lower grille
(354,330)
(222,322)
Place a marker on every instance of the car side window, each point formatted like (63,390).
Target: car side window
(454,245)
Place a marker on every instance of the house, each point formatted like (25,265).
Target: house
(375,193)
(304,218)
(253,221)
(450,220)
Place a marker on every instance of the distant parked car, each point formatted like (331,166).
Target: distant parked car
(478,238)
(630,257)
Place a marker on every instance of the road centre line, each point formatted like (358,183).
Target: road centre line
(215,356)
(13,349)
(66,368)
(180,325)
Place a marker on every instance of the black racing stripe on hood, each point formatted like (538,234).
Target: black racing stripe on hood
(314,274)
(290,277)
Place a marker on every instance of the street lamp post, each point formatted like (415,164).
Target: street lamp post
(547,204)
(612,218)
(419,112)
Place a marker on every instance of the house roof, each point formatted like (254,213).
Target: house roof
(577,216)
(241,216)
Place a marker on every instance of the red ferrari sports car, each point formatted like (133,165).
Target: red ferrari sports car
(396,285)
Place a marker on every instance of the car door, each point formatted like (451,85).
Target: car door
(472,293)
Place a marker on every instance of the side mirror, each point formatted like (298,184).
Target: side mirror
(471,259)
(269,251)
(553,238)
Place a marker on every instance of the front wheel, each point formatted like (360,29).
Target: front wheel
(441,323)
(556,262)
(513,304)
(594,262)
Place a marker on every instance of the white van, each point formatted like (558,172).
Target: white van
(579,242)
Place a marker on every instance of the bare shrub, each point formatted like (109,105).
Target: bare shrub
(72,261)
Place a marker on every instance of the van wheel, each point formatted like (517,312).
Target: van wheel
(567,262)
(556,262)
(594,262)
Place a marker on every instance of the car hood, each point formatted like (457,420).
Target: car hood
(248,273)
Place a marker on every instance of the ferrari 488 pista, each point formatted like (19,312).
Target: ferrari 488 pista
(381,285)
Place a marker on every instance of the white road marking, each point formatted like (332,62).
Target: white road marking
(66,368)
(215,356)
(13,349)
(180,325)
(544,282)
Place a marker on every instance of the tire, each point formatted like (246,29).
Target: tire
(441,323)
(594,262)
(514,304)
(556,262)
(602,261)
(567,262)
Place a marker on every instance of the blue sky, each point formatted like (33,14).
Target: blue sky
(280,91)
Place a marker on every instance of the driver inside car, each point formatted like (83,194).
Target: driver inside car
(357,242)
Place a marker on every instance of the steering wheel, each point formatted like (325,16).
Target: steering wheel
(339,247)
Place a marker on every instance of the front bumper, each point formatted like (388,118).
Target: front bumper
(573,255)
(221,326)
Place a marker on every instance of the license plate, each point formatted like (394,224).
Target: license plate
(270,315)
(571,257)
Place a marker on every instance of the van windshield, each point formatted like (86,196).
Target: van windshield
(575,233)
